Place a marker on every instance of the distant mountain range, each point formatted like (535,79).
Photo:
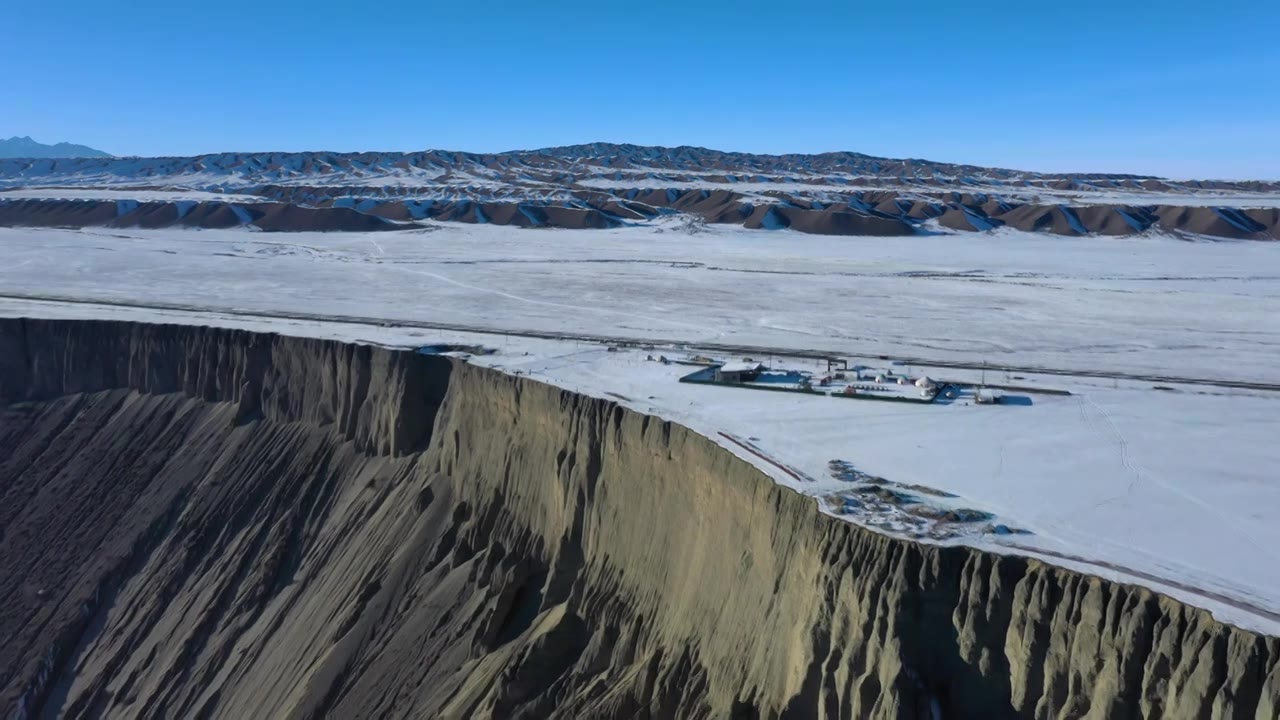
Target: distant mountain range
(601,185)
(25,147)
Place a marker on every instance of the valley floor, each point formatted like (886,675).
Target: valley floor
(1170,488)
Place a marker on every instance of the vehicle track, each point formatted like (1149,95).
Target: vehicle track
(1108,427)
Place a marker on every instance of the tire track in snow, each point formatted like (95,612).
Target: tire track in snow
(1111,432)
(1107,427)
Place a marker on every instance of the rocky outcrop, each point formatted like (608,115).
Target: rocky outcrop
(209,523)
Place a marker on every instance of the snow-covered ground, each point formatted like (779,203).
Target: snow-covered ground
(756,191)
(1205,198)
(149,195)
(1143,304)
(1171,488)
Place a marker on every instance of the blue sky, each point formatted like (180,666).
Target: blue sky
(1177,88)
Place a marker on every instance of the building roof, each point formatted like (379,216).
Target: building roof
(742,366)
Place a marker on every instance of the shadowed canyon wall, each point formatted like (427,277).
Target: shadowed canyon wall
(210,523)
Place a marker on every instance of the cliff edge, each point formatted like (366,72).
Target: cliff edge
(210,523)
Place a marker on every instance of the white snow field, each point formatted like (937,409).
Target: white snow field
(1142,304)
(1172,488)
(141,195)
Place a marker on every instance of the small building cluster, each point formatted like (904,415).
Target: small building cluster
(839,380)
(739,372)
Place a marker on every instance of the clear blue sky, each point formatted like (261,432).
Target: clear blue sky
(1179,87)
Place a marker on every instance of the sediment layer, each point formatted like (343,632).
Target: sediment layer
(211,523)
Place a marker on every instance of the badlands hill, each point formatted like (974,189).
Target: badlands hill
(218,524)
(604,185)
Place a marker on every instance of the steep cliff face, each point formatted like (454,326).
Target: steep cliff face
(210,523)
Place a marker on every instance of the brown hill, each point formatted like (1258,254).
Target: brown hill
(57,213)
(880,212)
(280,217)
(271,217)
(1209,221)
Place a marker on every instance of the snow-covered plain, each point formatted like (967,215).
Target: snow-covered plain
(1174,489)
(835,184)
(1206,198)
(1143,304)
(141,195)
